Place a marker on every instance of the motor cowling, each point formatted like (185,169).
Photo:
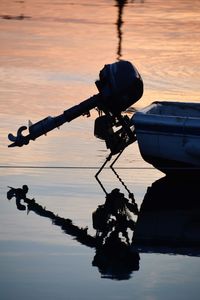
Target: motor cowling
(120,86)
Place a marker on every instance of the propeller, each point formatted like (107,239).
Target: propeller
(18,140)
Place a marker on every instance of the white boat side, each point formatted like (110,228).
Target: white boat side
(168,134)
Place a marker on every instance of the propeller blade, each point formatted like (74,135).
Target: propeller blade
(19,131)
(11,137)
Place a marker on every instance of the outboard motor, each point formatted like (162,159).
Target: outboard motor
(120,86)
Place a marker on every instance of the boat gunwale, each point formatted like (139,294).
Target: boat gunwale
(145,121)
(147,111)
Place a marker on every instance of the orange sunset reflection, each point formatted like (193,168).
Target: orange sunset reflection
(52,53)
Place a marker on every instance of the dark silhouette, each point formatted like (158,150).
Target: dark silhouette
(120,86)
(19,194)
(168,222)
(169,217)
(114,257)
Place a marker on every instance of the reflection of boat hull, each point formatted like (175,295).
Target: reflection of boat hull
(181,228)
(168,135)
(169,215)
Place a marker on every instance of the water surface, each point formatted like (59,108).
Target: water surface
(50,56)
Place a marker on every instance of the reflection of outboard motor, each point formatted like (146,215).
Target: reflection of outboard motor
(120,85)
(115,259)
(114,256)
(115,213)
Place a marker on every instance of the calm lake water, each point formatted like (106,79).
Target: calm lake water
(50,56)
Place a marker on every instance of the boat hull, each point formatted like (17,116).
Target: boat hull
(169,141)
(172,167)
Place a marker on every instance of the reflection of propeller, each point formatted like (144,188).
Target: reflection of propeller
(19,139)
